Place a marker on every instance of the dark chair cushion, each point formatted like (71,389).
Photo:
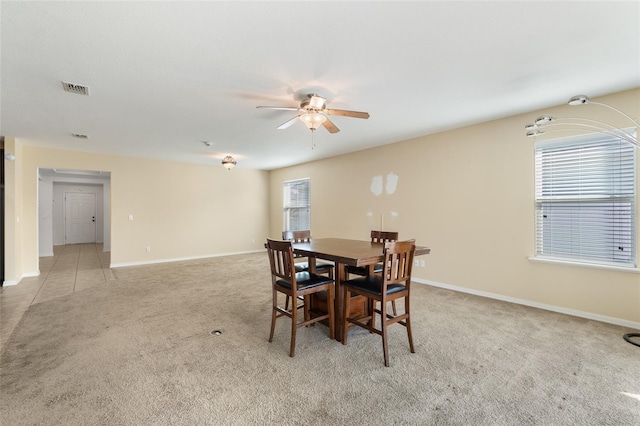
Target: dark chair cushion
(320,267)
(364,270)
(373,284)
(305,280)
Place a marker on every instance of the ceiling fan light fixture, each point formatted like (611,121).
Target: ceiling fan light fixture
(313,120)
(314,112)
(229,162)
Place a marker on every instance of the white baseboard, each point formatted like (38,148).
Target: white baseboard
(180,259)
(553,308)
(10,283)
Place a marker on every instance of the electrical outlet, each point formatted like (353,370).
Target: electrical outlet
(148,249)
(416,262)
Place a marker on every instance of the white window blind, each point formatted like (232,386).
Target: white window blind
(585,200)
(297,207)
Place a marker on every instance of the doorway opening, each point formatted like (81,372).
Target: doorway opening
(73,208)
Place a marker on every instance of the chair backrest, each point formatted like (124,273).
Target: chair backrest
(297,236)
(281,260)
(398,256)
(383,236)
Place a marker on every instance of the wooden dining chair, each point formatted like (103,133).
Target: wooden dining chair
(393,283)
(297,286)
(322,268)
(376,237)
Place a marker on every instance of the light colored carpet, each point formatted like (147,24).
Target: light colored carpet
(139,350)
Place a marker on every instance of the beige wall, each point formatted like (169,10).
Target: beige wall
(13,219)
(469,195)
(180,210)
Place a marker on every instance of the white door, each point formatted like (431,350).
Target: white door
(80,217)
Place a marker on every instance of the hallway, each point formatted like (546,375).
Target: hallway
(71,268)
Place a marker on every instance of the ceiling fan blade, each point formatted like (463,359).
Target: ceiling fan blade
(330,126)
(280,108)
(345,113)
(288,123)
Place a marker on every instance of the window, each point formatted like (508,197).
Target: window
(585,200)
(297,208)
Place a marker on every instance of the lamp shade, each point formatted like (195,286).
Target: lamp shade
(313,120)
(228,162)
(584,124)
(579,100)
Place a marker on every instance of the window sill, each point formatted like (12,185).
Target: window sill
(583,264)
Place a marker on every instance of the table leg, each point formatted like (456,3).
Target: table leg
(340,276)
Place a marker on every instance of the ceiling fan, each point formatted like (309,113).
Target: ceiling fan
(313,113)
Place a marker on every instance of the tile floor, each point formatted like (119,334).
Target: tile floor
(71,268)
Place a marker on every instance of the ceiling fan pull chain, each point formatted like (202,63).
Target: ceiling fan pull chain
(313,139)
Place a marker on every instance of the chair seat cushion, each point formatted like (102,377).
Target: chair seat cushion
(364,270)
(373,284)
(305,280)
(320,267)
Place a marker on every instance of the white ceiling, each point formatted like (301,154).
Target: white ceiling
(165,76)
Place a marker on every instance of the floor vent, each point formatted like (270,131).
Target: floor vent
(75,88)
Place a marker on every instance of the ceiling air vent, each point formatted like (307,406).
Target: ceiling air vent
(75,88)
(79,136)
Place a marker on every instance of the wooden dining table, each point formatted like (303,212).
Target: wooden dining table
(344,252)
